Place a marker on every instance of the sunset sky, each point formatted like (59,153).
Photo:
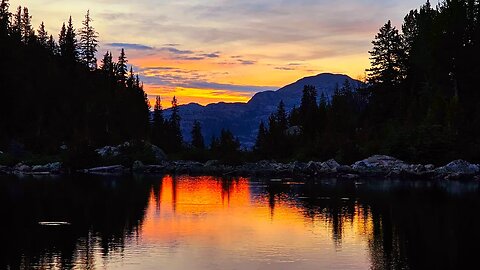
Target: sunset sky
(217,50)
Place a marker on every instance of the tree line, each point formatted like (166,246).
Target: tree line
(53,94)
(420,102)
(166,133)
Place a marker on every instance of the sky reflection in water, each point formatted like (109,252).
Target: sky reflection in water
(213,223)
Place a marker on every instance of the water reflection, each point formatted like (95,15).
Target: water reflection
(238,223)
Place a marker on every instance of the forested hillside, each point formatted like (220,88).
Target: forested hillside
(421,102)
(52,94)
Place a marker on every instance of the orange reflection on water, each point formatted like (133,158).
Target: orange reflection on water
(183,203)
(209,211)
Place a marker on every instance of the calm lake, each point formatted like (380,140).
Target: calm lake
(203,222)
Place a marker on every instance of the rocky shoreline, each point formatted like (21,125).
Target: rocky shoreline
(376,166)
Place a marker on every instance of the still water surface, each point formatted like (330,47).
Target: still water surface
(238,223)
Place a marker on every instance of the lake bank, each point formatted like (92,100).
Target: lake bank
(376,166)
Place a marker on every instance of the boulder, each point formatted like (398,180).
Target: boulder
(327,167)
(158,153)
(313,167)
(108,151)
(457,169)
(123,150)
(138,166)
(20,167)
(429,167)
(50,167)
(211,163)
(115,169)
(380,164)
(330,165)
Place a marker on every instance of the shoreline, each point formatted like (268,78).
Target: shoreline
(377,166)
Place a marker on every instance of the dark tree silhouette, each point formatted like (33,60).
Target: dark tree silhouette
(42,35)
(68,43)
(88,43)
(27,30)
(159,126)
(16,28)
(197,137)
(121,67)
(4,17)
(71,108)
(174,134)
(387,57)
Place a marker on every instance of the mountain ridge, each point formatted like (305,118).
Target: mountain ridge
(243,118)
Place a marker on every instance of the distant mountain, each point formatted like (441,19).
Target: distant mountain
(243,118)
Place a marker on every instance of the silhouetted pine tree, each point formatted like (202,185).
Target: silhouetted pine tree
(121,68)
(42,35)
(387,57)
(175,138)
(261,142)
(62,40)
(88,43)
(28,34)
(308,110)
(16,29)
(159,128)
(227,147)
(131,78)
(68,46)
(108,67)
(4,18)
(52,46)
(197,137)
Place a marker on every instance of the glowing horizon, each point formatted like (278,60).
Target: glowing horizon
(211,51)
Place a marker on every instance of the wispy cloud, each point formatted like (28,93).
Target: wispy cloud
(176,77)
(130,46)
(237,45)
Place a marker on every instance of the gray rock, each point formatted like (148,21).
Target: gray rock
(457,169)
(50,167)
(429,167)
(211,163)
(379,164)
(20,167)
(158,153)
(138,166)
(119,150)
(108,151)
(330,165)
(313,167)
(115,169)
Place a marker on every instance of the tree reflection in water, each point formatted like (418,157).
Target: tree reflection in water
(402,224)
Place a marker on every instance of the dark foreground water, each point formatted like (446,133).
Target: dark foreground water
(214,223)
